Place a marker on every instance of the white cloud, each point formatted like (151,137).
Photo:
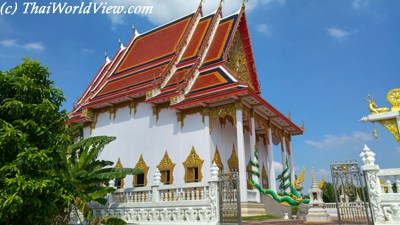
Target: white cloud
(165,11)
(337,33)
(264,29)
(357,4)
(87,50)
(12,43)
(336,142)
(278,167)
(8,43)
(35,46)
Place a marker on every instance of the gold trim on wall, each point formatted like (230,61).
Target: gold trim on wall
(233,162)
(167,164)
(193,160)
(264,177)
(141,165)
(223,112)
(217,160)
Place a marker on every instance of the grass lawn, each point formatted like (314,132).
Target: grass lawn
(264,217)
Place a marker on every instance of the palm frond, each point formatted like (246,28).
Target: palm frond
(112,221)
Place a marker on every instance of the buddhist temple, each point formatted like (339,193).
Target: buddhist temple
(180,98)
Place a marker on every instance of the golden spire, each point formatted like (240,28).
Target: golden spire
(314,182)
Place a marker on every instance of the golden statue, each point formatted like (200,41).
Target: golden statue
(373,108)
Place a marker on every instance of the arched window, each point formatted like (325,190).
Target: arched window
(166,168)
(140,180)
(193,165)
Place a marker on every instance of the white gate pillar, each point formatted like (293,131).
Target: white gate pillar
(373,184)
(252,149)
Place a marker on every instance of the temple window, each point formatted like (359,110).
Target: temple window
(192,174)
(193,165)
(119,183)
(165,176)
(166,168)
(140,179)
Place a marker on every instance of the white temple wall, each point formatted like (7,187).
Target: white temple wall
(141,134)
(224,137)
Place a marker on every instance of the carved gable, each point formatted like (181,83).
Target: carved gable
(237,61)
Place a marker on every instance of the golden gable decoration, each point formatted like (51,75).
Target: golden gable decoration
(167,164)
(141,165)
(193,161)
(119,166)
(217,160)
(237,61)
(233,162)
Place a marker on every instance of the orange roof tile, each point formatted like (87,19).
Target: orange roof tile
(156,44)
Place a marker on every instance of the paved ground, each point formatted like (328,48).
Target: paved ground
(284,222)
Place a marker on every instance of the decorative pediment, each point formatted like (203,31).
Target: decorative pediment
(193,161)
(167,164)
(217,160)
(233,162)
(118,164)
(141,165)
(237,61)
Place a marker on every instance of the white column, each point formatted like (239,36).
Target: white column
(252,150)
(271,168)
(291,164)
(284,150)
(241,155)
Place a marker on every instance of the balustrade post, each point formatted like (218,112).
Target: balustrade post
(213,193)
(155,191)
(373,183)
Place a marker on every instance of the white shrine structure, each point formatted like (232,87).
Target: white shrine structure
(178,98)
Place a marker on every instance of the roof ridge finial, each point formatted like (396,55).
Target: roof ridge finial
(121,45)
(106,57)
(201,3)
(220,3)
(243,5)
(133,28)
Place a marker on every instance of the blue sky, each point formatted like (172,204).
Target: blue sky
(318,60)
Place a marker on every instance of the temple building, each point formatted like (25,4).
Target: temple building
(181,97)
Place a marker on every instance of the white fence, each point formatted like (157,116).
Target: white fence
(384,198)
(191,203)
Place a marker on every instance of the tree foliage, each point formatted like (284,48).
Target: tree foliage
(33,177)
(46,169)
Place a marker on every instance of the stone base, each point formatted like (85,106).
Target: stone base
(252,209)
(317,214)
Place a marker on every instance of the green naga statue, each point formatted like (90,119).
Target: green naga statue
(289,198)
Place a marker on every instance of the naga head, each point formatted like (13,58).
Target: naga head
(300,179)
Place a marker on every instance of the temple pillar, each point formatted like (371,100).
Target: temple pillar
(252,150)
(284,151)
(291,164)
(241,155)
(271,168)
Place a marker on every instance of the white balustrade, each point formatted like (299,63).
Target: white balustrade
(384,198)
(159,204)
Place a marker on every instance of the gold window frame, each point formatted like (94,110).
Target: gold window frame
(167,164)
(141,165)
(193,160)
